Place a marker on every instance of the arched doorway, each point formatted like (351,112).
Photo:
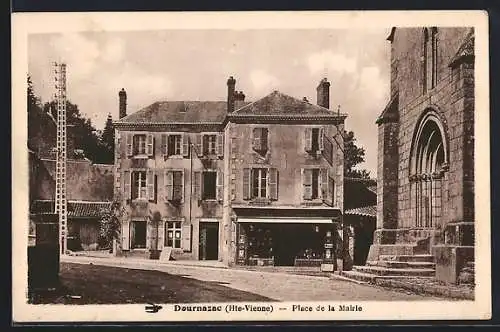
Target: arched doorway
(428,167)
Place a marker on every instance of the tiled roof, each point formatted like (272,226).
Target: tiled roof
(365,211)
(279,104)
(465,50)
(179,112)
(76,209)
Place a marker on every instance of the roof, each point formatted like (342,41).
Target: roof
(76,209)
(390,112)
(465,51)
(279,104)
(191,112)
(85,181)
(365,211)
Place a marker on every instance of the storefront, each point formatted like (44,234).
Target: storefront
(286,241)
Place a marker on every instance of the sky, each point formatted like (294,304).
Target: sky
(195,64)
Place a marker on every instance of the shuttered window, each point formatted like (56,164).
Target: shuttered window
(174,186)
(174,145)
(312,183)
(261,183)
(260,139)
(209,144)
(139,185)
(313,140)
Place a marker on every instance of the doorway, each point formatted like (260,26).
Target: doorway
(209,241)
(138,234)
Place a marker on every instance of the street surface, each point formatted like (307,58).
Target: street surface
(273,285)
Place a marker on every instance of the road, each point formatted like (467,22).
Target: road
(272,285)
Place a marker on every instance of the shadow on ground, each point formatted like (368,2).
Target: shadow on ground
(93,284)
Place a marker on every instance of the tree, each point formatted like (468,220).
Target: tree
(110,224)
(108,138)
(353,156)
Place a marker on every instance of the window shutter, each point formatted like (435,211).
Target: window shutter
(308,139)
(149,146)
(220,144)
(220,185)
(307,183)
(182,186)
(164,144)
(150,182)
(246,183)
(273,183)
(324,183)
(264,139)
(161,234)
(197,185)
(331,190)
(169,185)
(256,139)
(186,237)
(126,184)
(185,145)
(125,235)
(320,139)
(199,144)
(130,138)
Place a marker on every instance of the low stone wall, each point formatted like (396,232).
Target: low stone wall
(450,259)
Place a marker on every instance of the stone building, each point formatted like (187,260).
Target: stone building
(425,192)
(239,182)
(89,185)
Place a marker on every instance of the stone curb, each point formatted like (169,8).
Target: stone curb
(442,291)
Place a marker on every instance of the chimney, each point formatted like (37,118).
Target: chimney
(123,103)
(231,83)
(239,99)
(323,93)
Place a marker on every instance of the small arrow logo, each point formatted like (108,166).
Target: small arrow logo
(153,308)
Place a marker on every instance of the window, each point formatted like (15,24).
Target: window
(139,185)
(174,145)
(314,139)
(139,144)
(315,184)
(209,185)
(260,139)
(209,144)
(175,185)
(173,234)
(429,59)
(259,183)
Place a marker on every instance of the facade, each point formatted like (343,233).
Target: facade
(243,183)
(425,201)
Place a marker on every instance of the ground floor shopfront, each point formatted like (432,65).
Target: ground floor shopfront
(304,237)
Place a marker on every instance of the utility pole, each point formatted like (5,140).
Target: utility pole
(61,204)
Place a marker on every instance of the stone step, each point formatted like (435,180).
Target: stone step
(369,277)
(408,258)
(385,271)
(402,265)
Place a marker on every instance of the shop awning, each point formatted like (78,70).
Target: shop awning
(286,220)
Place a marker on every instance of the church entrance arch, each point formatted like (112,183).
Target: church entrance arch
(429,157)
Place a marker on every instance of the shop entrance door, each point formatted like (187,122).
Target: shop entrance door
(209,241)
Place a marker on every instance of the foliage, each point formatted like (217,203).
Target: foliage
(353,156)
(110,224)
(108,138)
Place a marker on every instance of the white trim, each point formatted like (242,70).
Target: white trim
(209,220)
(286,220)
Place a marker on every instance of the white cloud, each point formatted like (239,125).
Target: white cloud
(263,82)
(79,53)
(113,50)
(329,61)
(371,80)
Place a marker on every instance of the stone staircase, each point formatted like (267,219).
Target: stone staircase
(394,267)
